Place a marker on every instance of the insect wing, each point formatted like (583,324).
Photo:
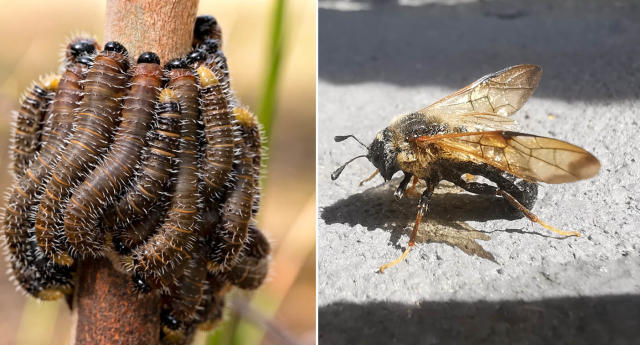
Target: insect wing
(485,102)
(527,156)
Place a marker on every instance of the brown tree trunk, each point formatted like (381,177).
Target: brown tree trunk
(162,26)
(106,311)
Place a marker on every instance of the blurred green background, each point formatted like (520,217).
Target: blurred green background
(271,49)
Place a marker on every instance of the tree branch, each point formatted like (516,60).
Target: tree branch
(162,26)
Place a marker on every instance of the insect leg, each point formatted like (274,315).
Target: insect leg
(375,173)
(523,191)
(423,205)
(473,187)
(532,216)
(412,190)
(399,193)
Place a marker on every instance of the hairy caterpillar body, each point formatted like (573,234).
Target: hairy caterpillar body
(58,126)
(166,250)
(97,117)
(252,268)
(154,174)
(184,300)
(46,115)
(170,180)
(35,273)
(218,133)
(250,132)
(208,55)
(129,236)
(28,121)
(111,176)
(212,309)
(236,213)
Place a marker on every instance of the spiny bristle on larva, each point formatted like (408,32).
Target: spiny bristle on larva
(207,77)
(50,81)
(127,262)
(168,95)
(244,117)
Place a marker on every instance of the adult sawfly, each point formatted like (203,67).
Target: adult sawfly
(470,132)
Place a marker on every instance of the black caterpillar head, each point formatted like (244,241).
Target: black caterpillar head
(117,47)
(149,57)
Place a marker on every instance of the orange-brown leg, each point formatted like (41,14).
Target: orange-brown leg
(412,190)
(422,209)
(470,178)
(370,177)
(532,216)
(412,241)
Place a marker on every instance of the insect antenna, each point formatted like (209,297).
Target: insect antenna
(339,138)
(336,174)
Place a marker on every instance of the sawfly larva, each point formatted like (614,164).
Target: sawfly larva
(231,233)
(253,266)
(28,121)
(164,252)
(34,272)
(96,119)
(111,176)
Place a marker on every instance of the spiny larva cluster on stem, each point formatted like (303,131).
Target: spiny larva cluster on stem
(155,168)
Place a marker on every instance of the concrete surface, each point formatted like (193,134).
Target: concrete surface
(525,285)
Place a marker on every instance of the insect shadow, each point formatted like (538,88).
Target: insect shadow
(449,210)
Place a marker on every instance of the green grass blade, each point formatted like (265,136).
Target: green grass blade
(266,112)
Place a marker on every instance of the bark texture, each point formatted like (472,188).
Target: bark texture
(162,26)
(107,311)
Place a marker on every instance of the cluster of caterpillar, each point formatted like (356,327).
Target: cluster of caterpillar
(155,167)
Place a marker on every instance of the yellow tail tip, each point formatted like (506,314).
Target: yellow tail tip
(167,95)
(244,117)
(50,82)
(207,77)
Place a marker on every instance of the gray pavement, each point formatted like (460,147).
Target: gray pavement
(484,277)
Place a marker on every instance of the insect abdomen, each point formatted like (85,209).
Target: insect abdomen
(236,214)
(218,133)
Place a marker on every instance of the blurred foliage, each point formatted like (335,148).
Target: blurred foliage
(267,103)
